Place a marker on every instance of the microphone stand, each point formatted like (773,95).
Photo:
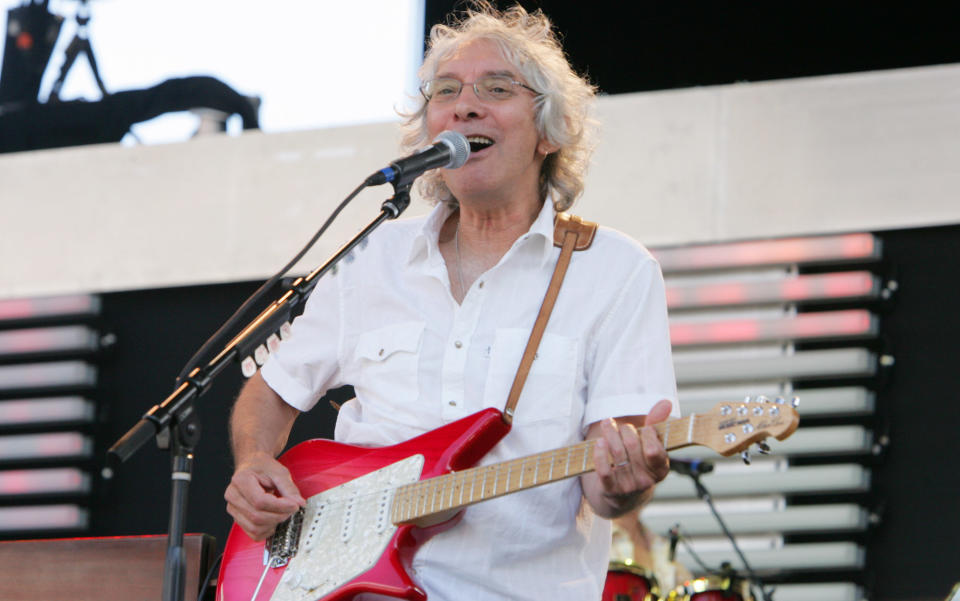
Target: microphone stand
(704,494)
(174,422)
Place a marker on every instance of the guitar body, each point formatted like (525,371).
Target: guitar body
(343,471)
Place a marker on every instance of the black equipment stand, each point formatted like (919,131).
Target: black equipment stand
(704,494)
(80,44)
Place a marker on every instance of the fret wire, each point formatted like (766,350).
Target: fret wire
(567,470)
(415,490)
(496,478)
(441,491)
(483,485)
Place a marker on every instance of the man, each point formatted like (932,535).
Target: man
(429,322)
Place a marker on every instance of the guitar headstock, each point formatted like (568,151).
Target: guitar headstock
(732,427)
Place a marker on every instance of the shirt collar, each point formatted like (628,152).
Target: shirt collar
(426,242)
(543,229)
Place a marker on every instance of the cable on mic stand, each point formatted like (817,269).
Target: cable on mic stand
(704,494)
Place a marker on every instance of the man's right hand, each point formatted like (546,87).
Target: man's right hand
(261,494)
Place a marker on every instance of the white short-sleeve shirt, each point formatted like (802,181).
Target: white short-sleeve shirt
(387,324)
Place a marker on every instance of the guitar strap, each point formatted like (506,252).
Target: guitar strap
(570,233)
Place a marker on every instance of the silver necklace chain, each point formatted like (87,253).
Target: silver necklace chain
(456,243)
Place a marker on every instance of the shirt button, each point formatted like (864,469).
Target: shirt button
(381,352)
(480,285)
(458,344)
(452,403)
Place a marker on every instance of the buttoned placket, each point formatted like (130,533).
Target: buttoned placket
(456,353)
(457,349)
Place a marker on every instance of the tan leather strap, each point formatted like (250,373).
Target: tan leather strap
(570,233)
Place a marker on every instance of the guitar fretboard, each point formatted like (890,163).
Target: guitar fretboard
(459,489)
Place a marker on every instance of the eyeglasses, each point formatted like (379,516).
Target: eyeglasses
(492,87)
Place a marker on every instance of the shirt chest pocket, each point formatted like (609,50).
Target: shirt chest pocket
(548,393)
(388,359)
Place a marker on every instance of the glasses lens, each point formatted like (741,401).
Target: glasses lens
(442,90)
(495,87)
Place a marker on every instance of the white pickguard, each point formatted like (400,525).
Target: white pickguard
(345,531)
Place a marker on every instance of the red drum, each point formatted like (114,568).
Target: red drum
(712,588)
(626,582)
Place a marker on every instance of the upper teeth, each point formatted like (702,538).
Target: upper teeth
(479,140)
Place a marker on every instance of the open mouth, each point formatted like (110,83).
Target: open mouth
(478,143)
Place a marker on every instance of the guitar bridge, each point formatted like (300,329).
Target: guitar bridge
(283,544)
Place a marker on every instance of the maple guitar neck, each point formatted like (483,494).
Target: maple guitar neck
(442,494)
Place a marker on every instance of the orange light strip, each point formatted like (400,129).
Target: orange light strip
(828,286)
(42,517)
(805,326)
(43,481)
(44,375)
(48,340)
(51,410)
(784,251)
(29,308)
(44,446)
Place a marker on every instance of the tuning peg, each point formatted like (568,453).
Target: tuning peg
(780,400)
(762,399)
(763,448)
(748,399)
(746,457)
(794,402)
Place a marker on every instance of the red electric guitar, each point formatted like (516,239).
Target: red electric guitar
(368,509)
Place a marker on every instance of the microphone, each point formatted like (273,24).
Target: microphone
(449,150)
(690,467)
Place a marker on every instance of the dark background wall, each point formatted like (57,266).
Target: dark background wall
(631,46)
(156,332)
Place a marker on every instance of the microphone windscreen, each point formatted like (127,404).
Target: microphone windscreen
(459,148)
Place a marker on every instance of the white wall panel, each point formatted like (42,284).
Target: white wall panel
(851,152)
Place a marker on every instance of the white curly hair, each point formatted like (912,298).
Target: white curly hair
(562,108)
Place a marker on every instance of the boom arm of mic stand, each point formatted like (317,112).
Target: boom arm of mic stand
(176,413)
(704,494)
(178,404)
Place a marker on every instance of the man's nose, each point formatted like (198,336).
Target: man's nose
(468,104)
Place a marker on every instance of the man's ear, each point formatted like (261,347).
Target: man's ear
(544,147)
